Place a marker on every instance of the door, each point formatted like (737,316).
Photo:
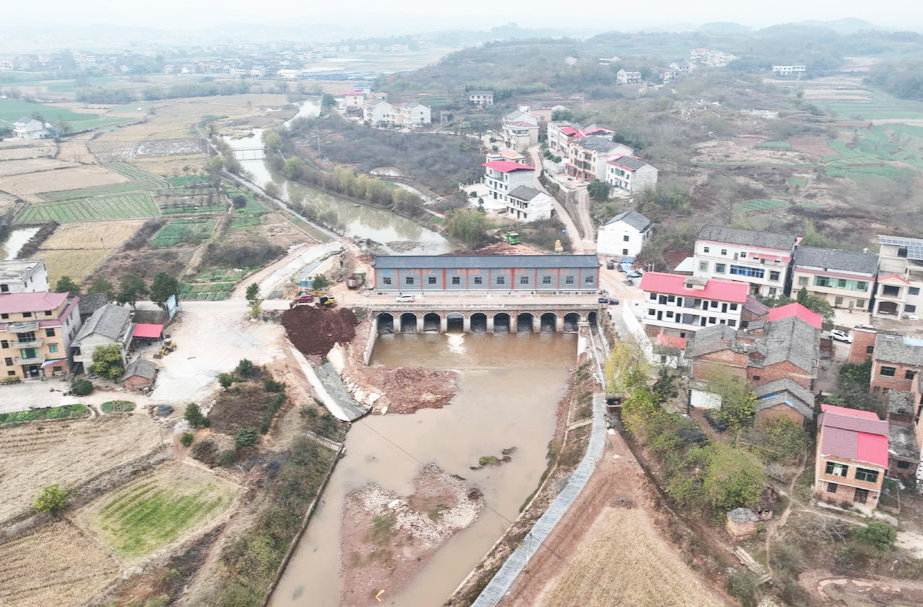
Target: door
(862,496)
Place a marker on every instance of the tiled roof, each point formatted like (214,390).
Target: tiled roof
(17,303)
(834,259)
(798,311)
(793,340)
(141,368)
(675,284)
(110,321)
(713,339)
(671,341)
(901,442)
(901,402)
(785,391)
(898,349)
(507,166)
(485,261)
(854,434)
(524,192)
(755,238)
(631,163)
(755,306)
(632,218)
(599,143)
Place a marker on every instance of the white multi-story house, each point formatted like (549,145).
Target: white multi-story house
(27,128)
(23,276)
(412,114)
(353,99)
(789,70)
(587,156)
(624,235)
(519,131)
(681,305)
(562,134)
(528,204)
(624,76)
(845,279)
(482,98)
(761,259)
(502,177)
(900,277)
(378,112)
(630,174)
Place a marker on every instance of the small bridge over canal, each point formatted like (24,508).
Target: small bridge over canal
(483,317)
(254,153)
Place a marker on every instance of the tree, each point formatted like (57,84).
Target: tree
(162,287)
(107,362)
(194,416)
(81,387)
(878,534)
(66,285)
(253,293)
(245,437)
(320,282)
(467,225)
(738,404)
(239,201)
(664,389)
(733,478)
(51,499)
(131,288)
(101,285)
(598,190)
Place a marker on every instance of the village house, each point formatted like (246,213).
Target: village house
(353,99)
(528,204)
(502,177)
(681,305)
(139,374)
(36,331)
(624,76)
(758,258)
(482,98)
(561,134)
(110,324)
(378,112)
(784,398)
(587,156)
(29,128)
(630,174)
(624,235)
(852,457)
(897,363)
(667,74)
(519,131)
(23,276)
(412,115)
(505,154)
(900,277)
(844,279)
(786,71)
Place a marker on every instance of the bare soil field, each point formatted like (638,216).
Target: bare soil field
(55,565)
(737,151)
(171,505)
(92,234)
(9,168)
(814,145)
(830,589)
(28,186)
(281,232)
(170,166)
(145,262)
(174,118)
(74,149)
(37,454)
(117,151)
(17,150)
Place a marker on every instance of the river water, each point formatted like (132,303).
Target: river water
(509,386)
(10,247)
(357,221)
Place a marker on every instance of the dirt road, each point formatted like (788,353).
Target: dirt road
(580,245)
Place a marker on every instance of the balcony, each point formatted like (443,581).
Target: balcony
(22,327)
(35,343)
(35,360)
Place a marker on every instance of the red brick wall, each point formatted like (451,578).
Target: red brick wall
(780,411)
(134,382)
(897,382)
(779,371)
(861,340)
(704,367)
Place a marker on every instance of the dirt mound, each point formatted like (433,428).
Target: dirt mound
(314,330)
(412,388)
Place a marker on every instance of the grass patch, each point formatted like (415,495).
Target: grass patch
(797,182)
(775,145)
(184,180)
(14,109)
(122,206)
(65,412)
(118,406)
(761,204)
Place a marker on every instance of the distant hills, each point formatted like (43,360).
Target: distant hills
(840,26)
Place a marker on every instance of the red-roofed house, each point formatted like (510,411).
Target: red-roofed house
(681,305)
(503,176)
(630,174)
(852,457)
(798,311)
(354,99)
(669,350)
(36,330)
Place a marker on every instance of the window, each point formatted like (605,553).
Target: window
(841,283)
(732,323)
(869,350)
(802,281)
(890,291)
(821,281)
(910,308)
(914,290)
(861,285)
(864,474)
(909,374)
(49,332)
(714,304)
(431,280)
(903,465)
(456,280)
(4,316)
(743,254)
(8,361)
(902,252)
(745,271)
(47,312)
(733,307)
(720,268)
(624,251)
(837,469)
(523,280)
(4,288)
(501,280)
(703,266)
(888,371)
(774,276)
(27,314)
(669,314)
(588,280)
(724,251)
(386,280)
(705,249)
(546,280)
(652,297)
(651,312)
(569,280)
(52,348)
(408,280)
(478,280)
(860,303)
(625,238)
(756,378)
(831,487)
(712,320)
(11,373)
(838,301)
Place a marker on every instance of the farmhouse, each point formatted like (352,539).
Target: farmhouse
(23,276)
(412,114)
(630,174)
(110,324)
(29,128)
(844,279)
(503,176)
(519,130)
(900,271)
(378,112)
(784,398)
(588,155)
(786,71)
(35,333)
(482,98)
(561,134)
(624,76)
(681,305)
(759,258)
(481,273)
(528,204)
(624,234)
(139,374)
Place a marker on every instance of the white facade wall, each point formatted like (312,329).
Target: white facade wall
(35,281)
(621,239)
(631,181)
(355,100)
(670,312)
(379,113)
(536,209)
(499,185)
(766,277)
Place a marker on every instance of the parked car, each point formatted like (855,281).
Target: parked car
(621,268)
(405,298)
(633,274)
(609,301)
(610,265)
(841,336)
(629,282)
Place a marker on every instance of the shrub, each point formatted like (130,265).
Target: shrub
(228,457)
(10,380)
(878,534)
(194,416)
(244,368)
(271,385)
(81,387)
(245,437)
(107,362)
(206,452)
(50,499)
(226,379)
(186,439)
(745,586)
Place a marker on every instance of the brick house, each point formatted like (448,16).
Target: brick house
(36,333)
(139,374)
(897,363)
(784,398)
(844,279)
(852,457)
(863,345)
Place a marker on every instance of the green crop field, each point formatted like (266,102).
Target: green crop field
(117,406)
(879,106)
(775,145)
(153,512)
(183,230)
(65,412)
(797,181)
(184,180)
(103,190)
(209,292)
(761,204)
(123,206)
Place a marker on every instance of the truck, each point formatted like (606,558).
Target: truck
(355,280)
(511,237)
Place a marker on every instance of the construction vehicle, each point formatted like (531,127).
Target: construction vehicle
(558,247)
(303,299)
(511,237)
(355,280)
(327,301)
(168,346)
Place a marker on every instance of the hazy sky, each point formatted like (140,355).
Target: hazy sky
(417,15)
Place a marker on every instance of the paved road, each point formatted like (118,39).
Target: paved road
(587,245)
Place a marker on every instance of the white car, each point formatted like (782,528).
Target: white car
(841,336)
(406,298)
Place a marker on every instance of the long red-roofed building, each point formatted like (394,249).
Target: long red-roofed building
(680,305)
(852,457)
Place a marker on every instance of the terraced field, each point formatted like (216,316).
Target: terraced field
(155,511)
(120,206)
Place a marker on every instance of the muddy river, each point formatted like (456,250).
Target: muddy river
(18,237)
(509,386)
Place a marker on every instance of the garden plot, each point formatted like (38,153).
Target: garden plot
(119,206)
(55,565)
(174,503)
(187,230)
(29,186)
(38,454)
(114,151)
(186,165)
(139,175)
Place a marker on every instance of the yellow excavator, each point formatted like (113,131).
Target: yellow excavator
(168,346)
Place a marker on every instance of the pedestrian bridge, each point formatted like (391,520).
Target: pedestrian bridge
(481,318)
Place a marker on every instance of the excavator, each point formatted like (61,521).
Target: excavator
(168,346)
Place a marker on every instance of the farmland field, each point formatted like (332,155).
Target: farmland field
(35,455)
(183,230)
(16,150)
(31,165)
(75,264)
(156,510)
(92,235)
(13,109)
(761,204)
(61,179)
(65,412)
(119,206)
(55,565)
(137,174)
(172,165)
